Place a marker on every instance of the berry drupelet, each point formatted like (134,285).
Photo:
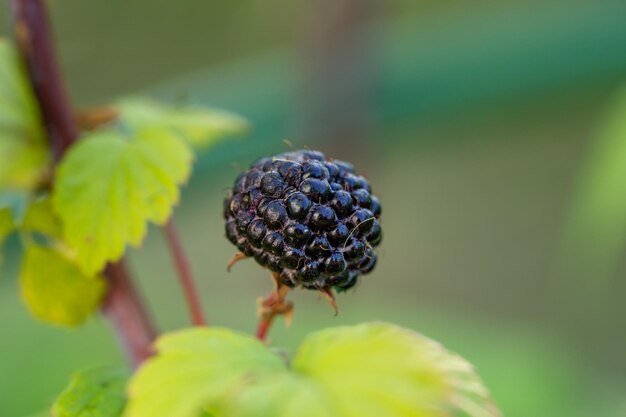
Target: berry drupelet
(312,221)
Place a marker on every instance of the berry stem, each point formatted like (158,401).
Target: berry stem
(266,317)
(33,36)
(185,276)
(270,307)
(263,329)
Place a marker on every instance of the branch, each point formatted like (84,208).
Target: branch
(184,273)
(34,39)
(126,313)
(33,35)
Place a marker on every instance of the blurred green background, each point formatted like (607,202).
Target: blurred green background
(482,126)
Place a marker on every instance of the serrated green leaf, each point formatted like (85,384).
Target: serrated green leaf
(40,218)
(23,148)
(55,290)
(370,370)
(200,126)
(108,187)
(197,367)
(381,370)
(96,392)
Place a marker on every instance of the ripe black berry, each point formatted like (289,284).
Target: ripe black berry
(342,202)
(275,214)
(314,222)
(297,233)
(323,218)
(298,205)
(316,189)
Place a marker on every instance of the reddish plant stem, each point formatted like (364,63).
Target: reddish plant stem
(263,329)
(34,39)
(185,276)
(124,310)
(33,35)
(266,320)
(270,307)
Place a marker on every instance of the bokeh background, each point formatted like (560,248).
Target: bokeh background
(489,130)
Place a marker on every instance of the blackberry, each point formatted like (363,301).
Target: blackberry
(312,221)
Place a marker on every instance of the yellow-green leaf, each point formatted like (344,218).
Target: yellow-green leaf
(95,392)
(196,369)
(378,369)
(6,223)
(6,227)
(23,148)
(108,187)
(200,126)
(282,395)
(55,290)
(40,218)
(369,370)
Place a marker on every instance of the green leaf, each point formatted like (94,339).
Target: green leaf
(196,368)
(44,413)
(41,218)
(6,224)
(6,227)
(369,370)
(200,126)
(108,188)
(282,395)
(380,369)
(55,290)
(96,392)
(23,148)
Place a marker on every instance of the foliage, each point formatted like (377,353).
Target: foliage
(207,365)
(108,187)
(40,218)
(105,190)
(374,369)
(201,127)
(100,197)
(96,392)
(6,224)
(21,131)
(55,290)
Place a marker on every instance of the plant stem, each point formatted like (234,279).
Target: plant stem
(185,275)
(33,35)
(34,38)
(263,328)
(270,307)
(124,310)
